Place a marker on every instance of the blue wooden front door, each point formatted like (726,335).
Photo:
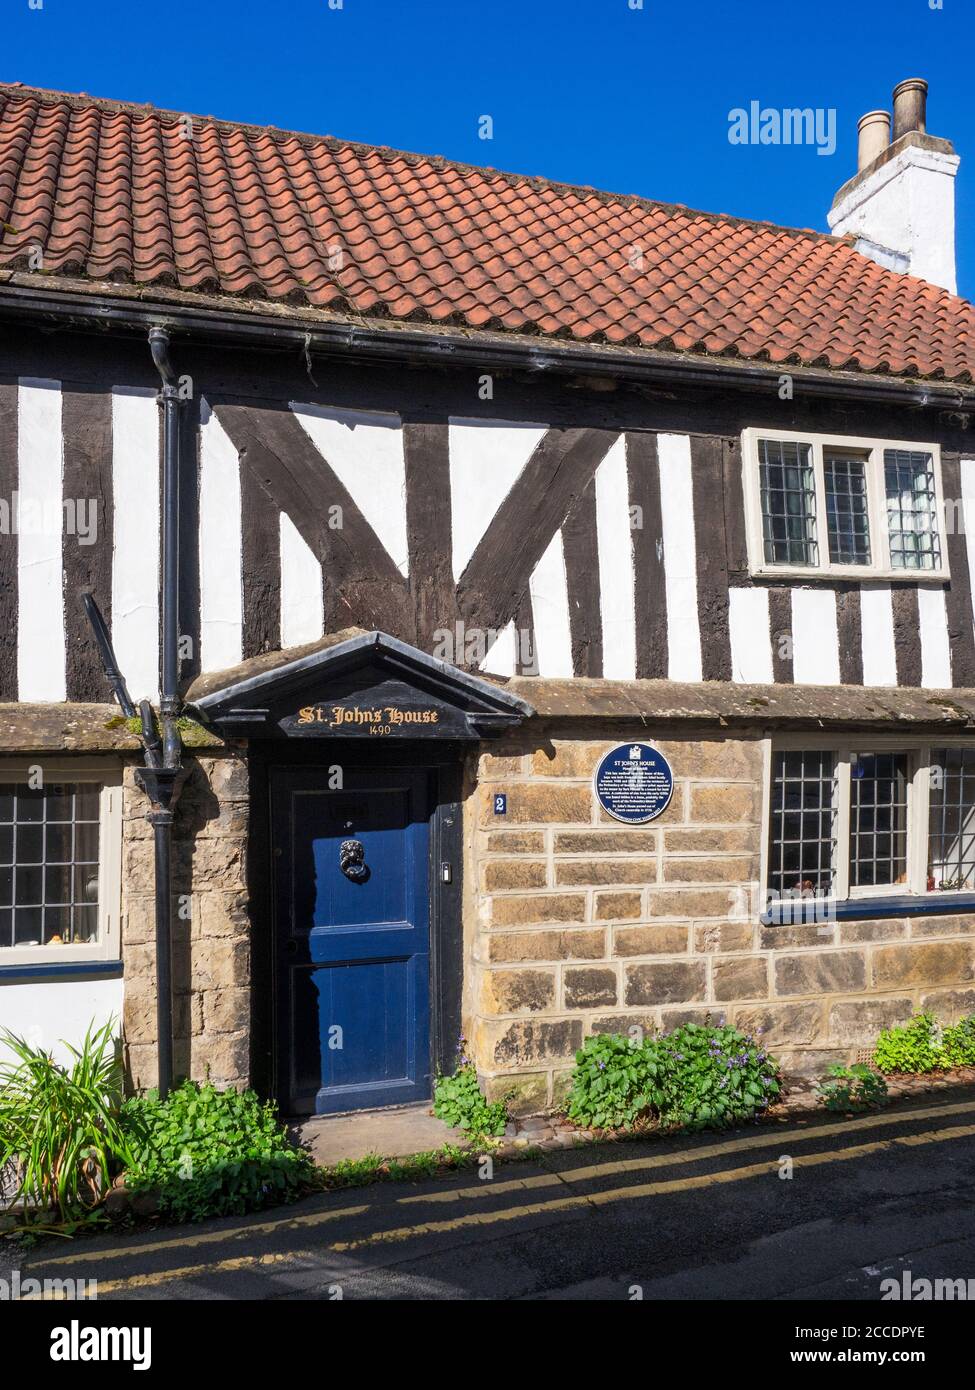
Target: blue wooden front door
(352,938)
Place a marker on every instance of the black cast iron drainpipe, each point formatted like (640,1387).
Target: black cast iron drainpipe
(161,777)
(163,788)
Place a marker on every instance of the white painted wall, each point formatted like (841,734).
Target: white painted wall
(500,658)
(907,206)
(50,1013)
(751,644)
(135,562)
(221,589)
(550,612)
(486,459)
(680,557)
(877,635)
(302,600)
(815,640)
(968,514)
(365,451)
(615,543)
(935,644)
(40,524)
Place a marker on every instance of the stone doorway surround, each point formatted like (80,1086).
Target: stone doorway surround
(359,700)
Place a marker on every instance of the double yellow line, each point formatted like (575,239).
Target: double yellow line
(652,1189)
(309,1221)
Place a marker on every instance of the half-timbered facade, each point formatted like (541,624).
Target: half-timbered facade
(506,545)
(479,478)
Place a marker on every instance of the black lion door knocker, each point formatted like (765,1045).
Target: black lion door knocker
(352,860)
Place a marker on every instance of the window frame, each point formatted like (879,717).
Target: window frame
(880,567)
(109,776)
(918,751)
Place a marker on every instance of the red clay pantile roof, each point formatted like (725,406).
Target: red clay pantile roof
(117,193)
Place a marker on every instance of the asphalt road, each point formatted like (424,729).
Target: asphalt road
(713,1217)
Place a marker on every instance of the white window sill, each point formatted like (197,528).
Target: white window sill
(57,955)
(862,573)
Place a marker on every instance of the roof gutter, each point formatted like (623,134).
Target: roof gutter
(460,347)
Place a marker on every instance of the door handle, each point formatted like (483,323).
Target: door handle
(352,856)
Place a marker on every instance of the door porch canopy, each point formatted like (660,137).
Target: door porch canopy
(363,685)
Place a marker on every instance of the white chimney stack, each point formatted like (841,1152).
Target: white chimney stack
(900,205)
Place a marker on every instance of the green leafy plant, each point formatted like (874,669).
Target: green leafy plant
(429,1164)
(924,1045)
(909,1048)
(359,1172)
(414,1167)
(958,1043)
(699,1076)
(355,1172)
(206,1152)
(60,1134)
(460,1103)
(856,1087)
(613,1083)
(709,1077)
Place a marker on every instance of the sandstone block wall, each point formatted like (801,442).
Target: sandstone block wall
(575,924)
(211,932)
(585,925)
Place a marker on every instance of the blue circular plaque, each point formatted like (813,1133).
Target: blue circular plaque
(634,783)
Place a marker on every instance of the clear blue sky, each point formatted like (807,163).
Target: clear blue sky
(588,91)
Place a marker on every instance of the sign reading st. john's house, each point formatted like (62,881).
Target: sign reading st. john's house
(634,783)
(379,721)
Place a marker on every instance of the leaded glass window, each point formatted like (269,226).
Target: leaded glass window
(878,818)
(847,512)
(49,864)
(951,819)
(802,828)
(788,503)
(843,505)
(912,524)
